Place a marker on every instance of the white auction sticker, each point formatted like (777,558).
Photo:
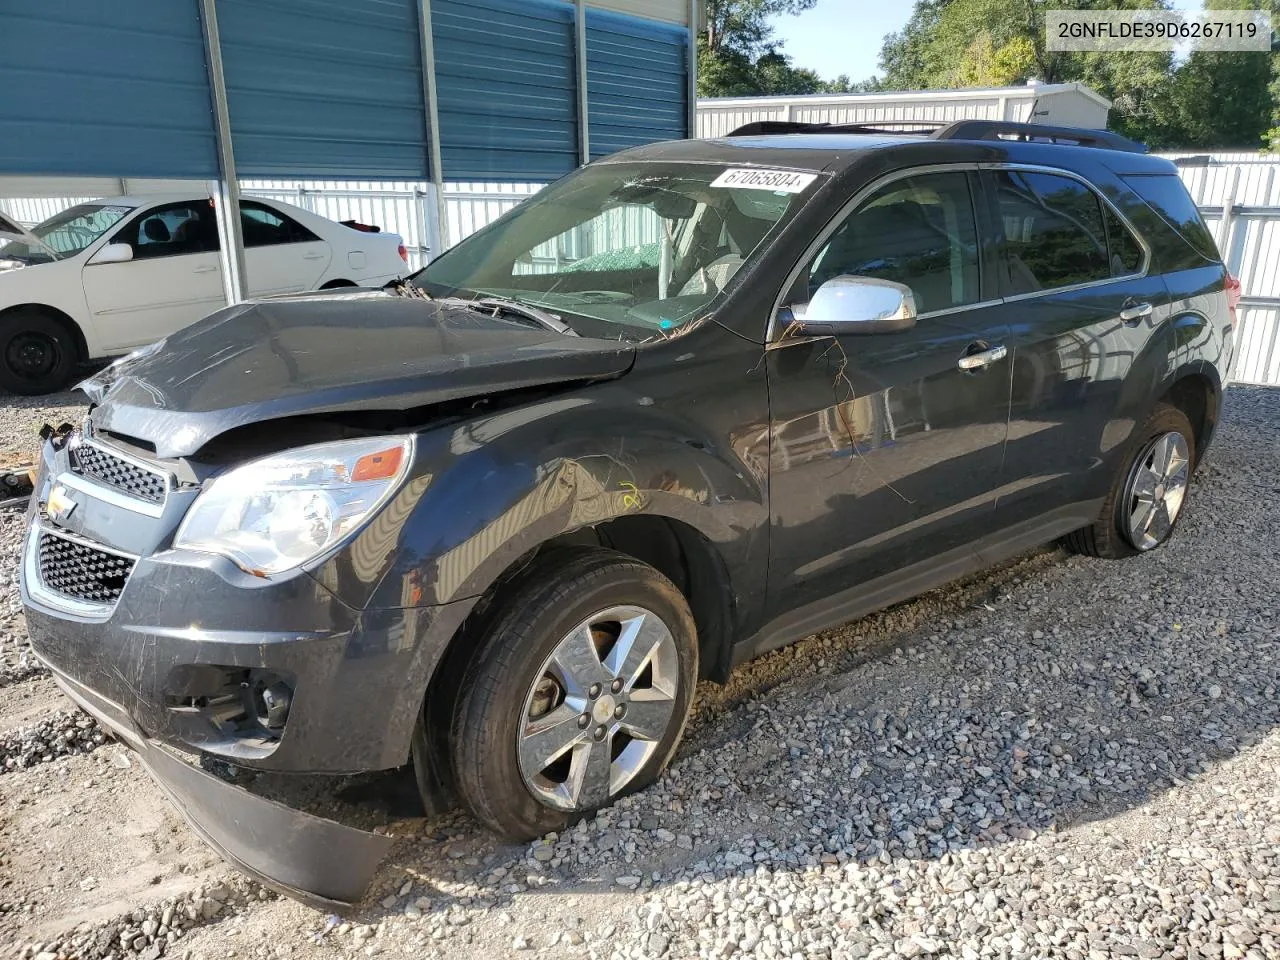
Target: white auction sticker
(783,181)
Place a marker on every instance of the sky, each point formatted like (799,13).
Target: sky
(844,36)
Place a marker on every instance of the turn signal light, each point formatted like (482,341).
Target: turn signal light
(378,466)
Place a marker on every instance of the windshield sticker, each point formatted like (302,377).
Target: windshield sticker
(782,181)
(112,208)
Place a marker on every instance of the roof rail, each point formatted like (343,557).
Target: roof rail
(760,128)
(1032,132)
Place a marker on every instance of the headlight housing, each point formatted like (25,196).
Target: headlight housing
(278,513)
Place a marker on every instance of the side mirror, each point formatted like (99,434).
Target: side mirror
(113,253)
(857,305)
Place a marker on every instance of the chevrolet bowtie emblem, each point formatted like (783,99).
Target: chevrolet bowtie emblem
(59,505)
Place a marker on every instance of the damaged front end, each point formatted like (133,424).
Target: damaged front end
(190,655)
(318,861)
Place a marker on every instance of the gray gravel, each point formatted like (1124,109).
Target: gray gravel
(23,417)
(154,931)
(1065,757)
(59,735)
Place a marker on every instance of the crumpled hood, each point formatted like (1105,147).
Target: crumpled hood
(361,350)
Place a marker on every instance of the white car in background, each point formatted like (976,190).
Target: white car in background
(102,278)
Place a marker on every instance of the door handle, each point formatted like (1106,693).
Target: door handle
(1135,312)
(313,256)
(982,358)
(205,270)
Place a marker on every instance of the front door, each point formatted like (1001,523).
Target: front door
(173,279)
(885,454)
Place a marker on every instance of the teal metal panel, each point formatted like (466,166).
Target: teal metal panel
(505,82)
(324,87)
(637,84)
(94,88)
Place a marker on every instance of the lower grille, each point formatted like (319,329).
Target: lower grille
(80,571)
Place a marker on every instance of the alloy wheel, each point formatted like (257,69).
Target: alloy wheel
(1156,490)
(599,708)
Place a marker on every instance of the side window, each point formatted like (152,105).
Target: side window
(1167,195)
(918,231)
(1053,230)
(264,227)
(1126,252)
(172,230)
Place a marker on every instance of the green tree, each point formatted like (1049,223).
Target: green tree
(1213,99)
(738,56)
(743,25)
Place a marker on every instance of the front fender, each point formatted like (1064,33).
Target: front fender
(487,491)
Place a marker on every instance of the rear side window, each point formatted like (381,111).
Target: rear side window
(1126,252)
(264,227)
(1054,231)
(1165,193)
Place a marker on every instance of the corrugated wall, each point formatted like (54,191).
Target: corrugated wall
(672,11)
(637,91)
(506,83)
(94,88)
(1053,103)
(318,87)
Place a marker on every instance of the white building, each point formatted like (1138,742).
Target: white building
(1059,104)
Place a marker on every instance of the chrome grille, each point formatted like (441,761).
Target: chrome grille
(78,570)
(124,475)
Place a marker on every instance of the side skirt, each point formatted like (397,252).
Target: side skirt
(899,585)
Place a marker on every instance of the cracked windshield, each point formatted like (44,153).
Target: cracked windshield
(645,246)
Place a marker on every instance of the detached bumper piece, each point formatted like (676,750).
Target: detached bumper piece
(322,863)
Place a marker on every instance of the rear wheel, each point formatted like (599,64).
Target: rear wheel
(1149,491)
(578,694)
(37,353)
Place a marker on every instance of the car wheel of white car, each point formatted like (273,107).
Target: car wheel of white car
(37,353)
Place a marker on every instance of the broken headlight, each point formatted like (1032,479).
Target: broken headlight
(279,512)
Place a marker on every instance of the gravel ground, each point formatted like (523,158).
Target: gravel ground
(1063,757)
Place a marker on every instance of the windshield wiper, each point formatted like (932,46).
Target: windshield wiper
(501,305)
(405,287)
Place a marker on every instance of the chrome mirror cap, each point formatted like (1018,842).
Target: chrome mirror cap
(848,304)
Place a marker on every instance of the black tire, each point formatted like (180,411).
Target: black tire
(1107,536)
(37,353)
(558,591)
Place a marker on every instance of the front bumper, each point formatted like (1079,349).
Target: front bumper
(320,862)
(182,626)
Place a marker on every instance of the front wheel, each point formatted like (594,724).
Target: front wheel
(1149,491)
(37,353)
(577,695)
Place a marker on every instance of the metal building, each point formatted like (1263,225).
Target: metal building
(1064,104)
(414,90)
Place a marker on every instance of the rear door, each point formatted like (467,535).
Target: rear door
(1088,339)
(173,279)
(281,255)
(885,453)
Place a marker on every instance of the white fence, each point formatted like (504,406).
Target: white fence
(1238,194)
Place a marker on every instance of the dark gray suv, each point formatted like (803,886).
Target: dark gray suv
(690,403)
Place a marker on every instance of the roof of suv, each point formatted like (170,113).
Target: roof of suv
(833,150)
